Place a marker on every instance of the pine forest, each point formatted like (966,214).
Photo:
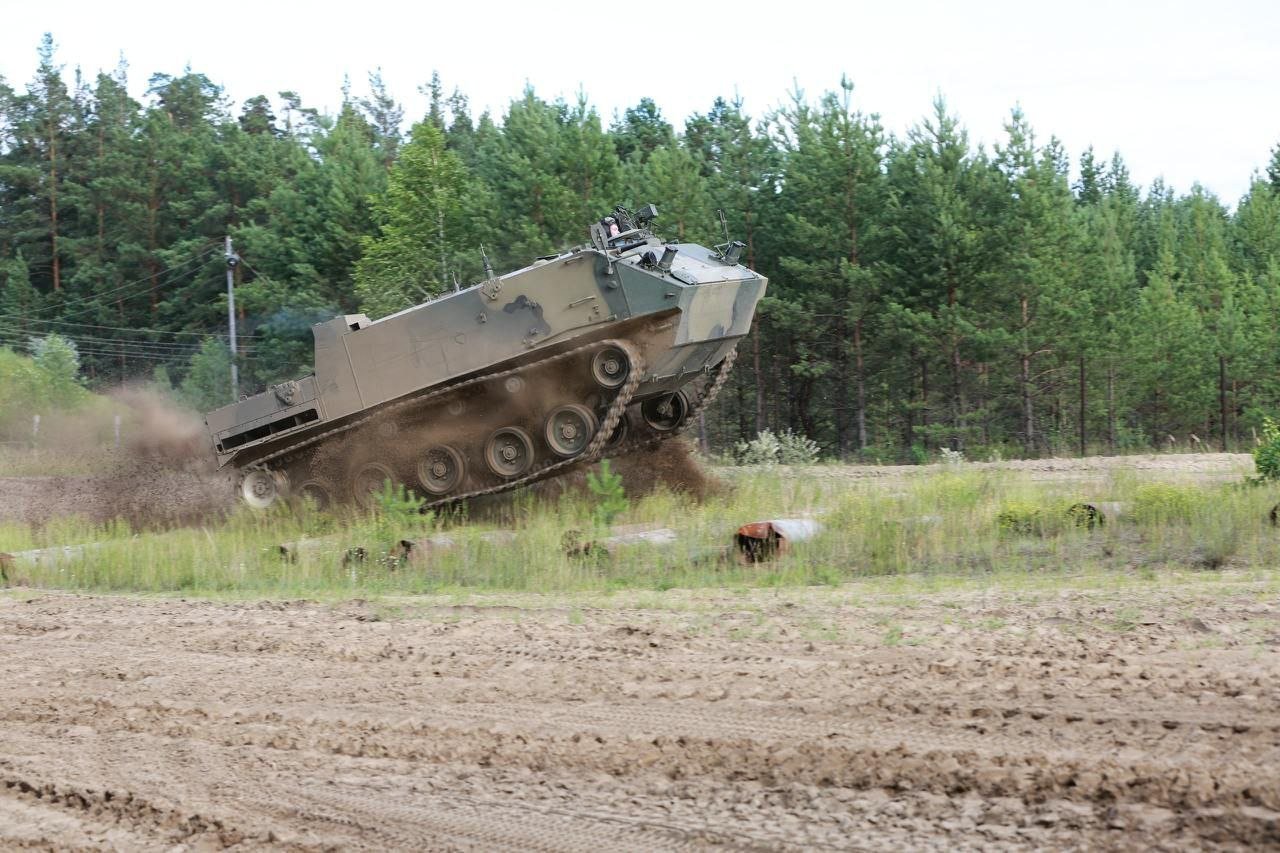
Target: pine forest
(925,293)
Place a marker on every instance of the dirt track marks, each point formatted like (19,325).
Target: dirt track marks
(771,723)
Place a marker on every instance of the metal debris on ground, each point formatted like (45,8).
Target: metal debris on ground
(760,541)
(1091,514)
(574,544)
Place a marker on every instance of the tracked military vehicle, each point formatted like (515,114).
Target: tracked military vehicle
(598,350)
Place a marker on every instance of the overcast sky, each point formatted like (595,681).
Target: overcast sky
(1185,90)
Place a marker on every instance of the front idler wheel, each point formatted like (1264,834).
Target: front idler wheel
(665,413)
(609,367)
(569,430)
(509,452)
(441,469)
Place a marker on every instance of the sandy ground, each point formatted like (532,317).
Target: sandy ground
(1199,467)
(853,718)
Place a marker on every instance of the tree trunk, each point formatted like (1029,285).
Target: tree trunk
(1024,379)
(755,369)
(444,273)
(957,405)
(1082,405)
(53,209)
(755,323)
(1222,399)
(1235,409)
(981,403)
(153,207)
(909,425)
(781,398)
(1111,406)
(924,400)
(860,375)
(101,207)
(841,402)
(743,435)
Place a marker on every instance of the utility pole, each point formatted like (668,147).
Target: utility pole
(232,261)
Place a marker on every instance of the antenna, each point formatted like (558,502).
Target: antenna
(457,282)
(723,224)
(488,267)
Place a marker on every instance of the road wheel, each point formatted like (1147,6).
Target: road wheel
(609,367)
(620,433)
(441,469)
(316,491)
(367,483)
(509,452)
(665,413)
(569,429)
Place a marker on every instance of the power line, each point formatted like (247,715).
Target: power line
(117,353)
(109,353)
(144,280)
(92,340)
(107,349)
(114,347)
(139,329)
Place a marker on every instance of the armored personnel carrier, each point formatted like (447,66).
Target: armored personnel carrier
(599,350)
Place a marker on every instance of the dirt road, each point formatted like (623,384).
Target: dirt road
(832,718)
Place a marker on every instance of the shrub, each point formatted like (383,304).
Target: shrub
(1266,457)
(1160,503)
(770,448)
(761,450)
(611,497)
(797,449)
(1019,518)
(207,383)
(60,361)
(396,512)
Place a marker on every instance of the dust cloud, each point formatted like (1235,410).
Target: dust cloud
(161,473)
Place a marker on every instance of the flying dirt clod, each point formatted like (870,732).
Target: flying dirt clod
(608,348)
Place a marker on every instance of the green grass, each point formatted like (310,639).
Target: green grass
(951,529)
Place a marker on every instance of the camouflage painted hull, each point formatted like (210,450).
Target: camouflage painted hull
(682,322)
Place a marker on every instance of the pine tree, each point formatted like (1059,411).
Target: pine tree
(743,171)
(589,166)
(940,252)
(33,170)
(423,231)
(522,166)
(58,360)
(1039,268)
(19,301)
(674,175)
(831,198)
(1170,359)
(385,117)
(640,132)
(207,383)
(1110,282)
